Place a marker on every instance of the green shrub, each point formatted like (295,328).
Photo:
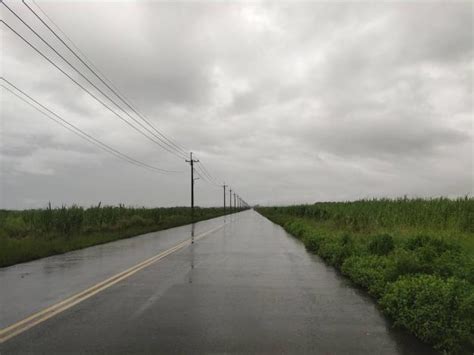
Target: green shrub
(133,221)
(297,228)
(336,250)
(368,272)
(436,245)
(312,242)
(136,220)
(330,251)
(15,226)
(381,244)
(402,262)
(346,239)
(425,260)
(438,311)
(451,263)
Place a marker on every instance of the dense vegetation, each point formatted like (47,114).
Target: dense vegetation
(36,233)
(415,256)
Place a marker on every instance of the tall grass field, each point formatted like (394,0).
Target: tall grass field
(414,256)
(32,234)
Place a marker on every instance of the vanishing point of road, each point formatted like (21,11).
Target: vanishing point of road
(243,286)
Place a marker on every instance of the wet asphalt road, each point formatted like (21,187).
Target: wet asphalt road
(30,287)
(246,288)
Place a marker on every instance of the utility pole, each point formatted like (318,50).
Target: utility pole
(224,186)
(191,162)
(235,206)
(230,200)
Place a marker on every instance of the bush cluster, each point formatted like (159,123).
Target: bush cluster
(422,282)
(439,311)
(381,244)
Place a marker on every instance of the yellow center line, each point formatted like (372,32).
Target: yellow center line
(39,317)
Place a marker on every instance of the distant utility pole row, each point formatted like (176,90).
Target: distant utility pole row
(101,89)
(239,203)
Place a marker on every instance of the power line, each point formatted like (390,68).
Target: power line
(201,174)
(207,171)
(112,88)
(205,176)
(73,44)
(91,83)
(86,90)
(76,130)
(208,178)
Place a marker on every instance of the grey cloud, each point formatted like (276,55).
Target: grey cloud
(381,138)
(425,34)
(32,143)
(245,102)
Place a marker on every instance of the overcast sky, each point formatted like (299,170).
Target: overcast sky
(288,102)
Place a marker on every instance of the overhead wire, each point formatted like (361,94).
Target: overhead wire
(200,173)
(170,142)
(206,171)
(72,43)
(158,142)
(203,171)
(76,130)
(203,177)
(207,179)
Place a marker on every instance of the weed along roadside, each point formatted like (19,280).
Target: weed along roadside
(414,256)
(32,234)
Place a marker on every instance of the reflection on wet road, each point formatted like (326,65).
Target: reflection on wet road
(29,287)
(248,288)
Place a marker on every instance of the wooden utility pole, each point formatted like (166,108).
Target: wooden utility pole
(191,162)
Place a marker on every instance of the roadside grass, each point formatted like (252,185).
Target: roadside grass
(418,264)
(32,234)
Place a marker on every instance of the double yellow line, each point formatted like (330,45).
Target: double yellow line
(41,316)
